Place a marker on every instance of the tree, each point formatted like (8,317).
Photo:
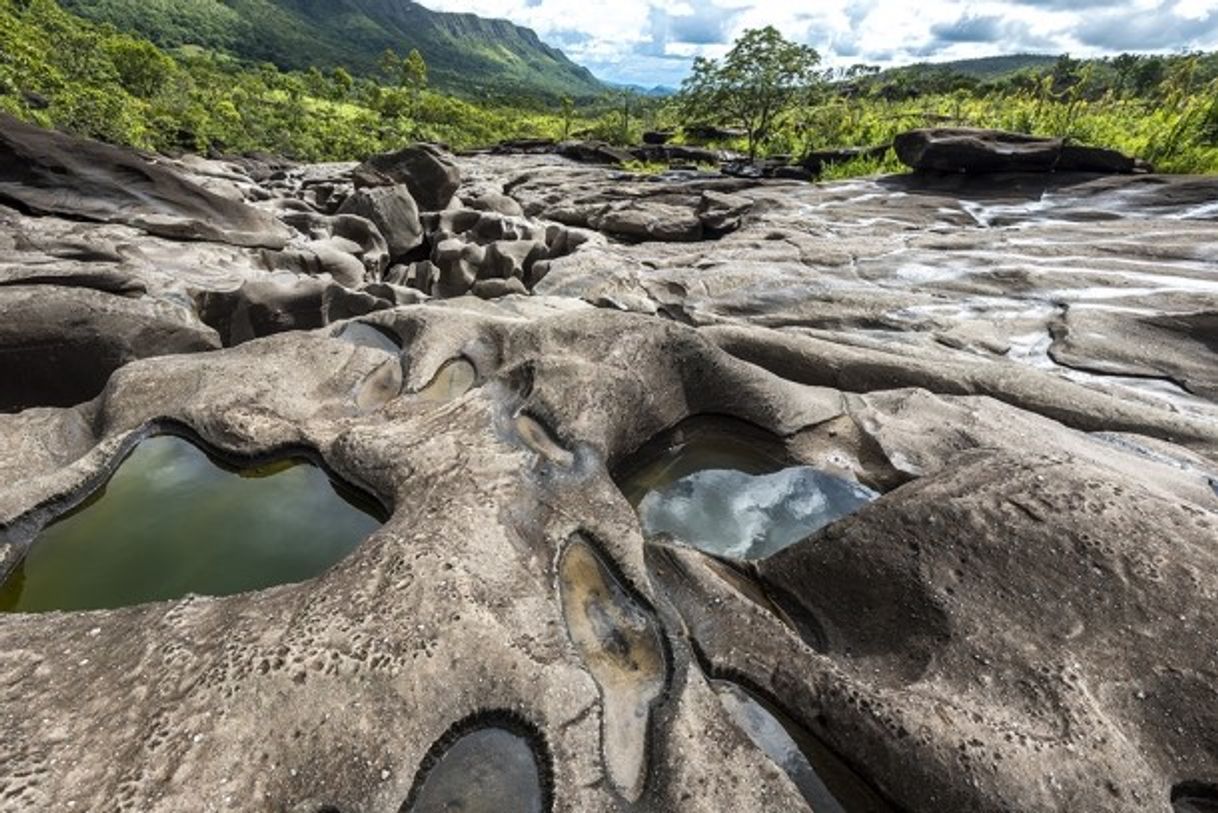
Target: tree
(390,64)
(142,68)
(414,73)
(758,80)
(568,112)
(343,82)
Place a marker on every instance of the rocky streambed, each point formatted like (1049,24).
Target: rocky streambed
(929,464)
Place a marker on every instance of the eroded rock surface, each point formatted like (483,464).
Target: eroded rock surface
(1022,367)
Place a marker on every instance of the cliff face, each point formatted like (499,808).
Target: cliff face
(467,54)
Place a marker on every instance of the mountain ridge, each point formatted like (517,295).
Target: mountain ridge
(466,54)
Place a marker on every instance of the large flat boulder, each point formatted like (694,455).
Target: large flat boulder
(52,173)
(968,150)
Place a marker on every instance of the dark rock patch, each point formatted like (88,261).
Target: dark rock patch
(972,151)
(47,172)
(59,345)
(427,171)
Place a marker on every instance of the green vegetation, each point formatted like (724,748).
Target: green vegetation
(59,70)
(1162,109)
(468,56)
(760,77)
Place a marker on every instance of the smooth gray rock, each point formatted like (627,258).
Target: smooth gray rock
(47,172)
(393,211)
(428,172)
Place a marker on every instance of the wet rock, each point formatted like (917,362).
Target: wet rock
(620,643)
(1177,348)
(393,212)
(1021,622)
(658,136)
(429,174)
(47,172)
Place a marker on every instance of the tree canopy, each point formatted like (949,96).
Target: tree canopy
(759,79)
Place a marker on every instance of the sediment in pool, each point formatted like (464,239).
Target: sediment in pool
(173,520)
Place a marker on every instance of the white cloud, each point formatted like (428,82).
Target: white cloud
(651,42)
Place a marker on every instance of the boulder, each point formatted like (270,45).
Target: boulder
(393,211)
(47,172)
(648,220)
(349,233)
(265,307)
(429,174)
(680,154)
(1079,158)
(525,146)
(710,132)
(495,288)
(495,203)
(594,152)
(972,151)
(511,258)
(458,265)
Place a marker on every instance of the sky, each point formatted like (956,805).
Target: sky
(652,42)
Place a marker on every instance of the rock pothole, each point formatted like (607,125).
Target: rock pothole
(174,519)
(1195,797)
(621,645)
(490,763)
(724,487)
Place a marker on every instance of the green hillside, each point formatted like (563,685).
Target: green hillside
(991,67)
(467,55)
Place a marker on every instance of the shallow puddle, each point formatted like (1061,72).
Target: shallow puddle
(491,770)
(172,521)
(620,643)
(453,380)
(745,516)
(363,334)
(828,785)
(724,487)
(699,445)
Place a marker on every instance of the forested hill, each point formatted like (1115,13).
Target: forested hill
(466,54)
(989,67)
